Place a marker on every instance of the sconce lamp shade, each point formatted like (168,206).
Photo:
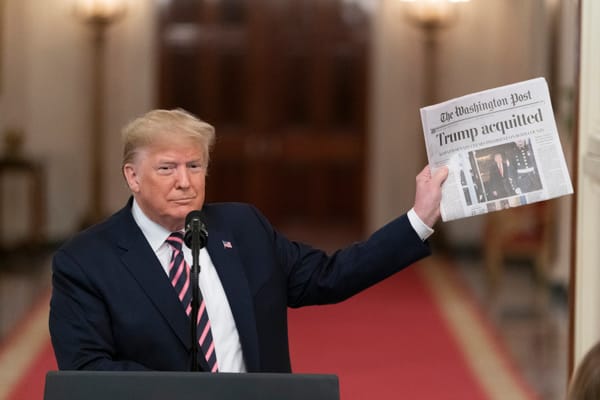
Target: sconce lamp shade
(432,13)
(99,11)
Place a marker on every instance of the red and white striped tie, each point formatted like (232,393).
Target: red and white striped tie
(179,275)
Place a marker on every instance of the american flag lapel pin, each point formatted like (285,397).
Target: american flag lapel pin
(227,244)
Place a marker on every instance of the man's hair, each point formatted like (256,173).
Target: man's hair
(160,124)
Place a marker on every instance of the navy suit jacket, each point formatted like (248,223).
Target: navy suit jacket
(113,307)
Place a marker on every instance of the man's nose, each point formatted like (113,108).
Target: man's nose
(183,179)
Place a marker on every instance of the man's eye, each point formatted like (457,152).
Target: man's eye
(164,169)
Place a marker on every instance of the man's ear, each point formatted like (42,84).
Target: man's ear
(131,176)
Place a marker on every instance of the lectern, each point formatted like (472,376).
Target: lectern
(103,385)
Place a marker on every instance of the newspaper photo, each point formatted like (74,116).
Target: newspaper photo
(501,147)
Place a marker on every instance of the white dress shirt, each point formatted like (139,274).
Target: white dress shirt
(418,225)
(224,330)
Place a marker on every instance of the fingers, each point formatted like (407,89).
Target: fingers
(425,173)
(438,178)
(440,175)
(429,193)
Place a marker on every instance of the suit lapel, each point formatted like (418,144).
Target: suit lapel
(224,254)
(140,260)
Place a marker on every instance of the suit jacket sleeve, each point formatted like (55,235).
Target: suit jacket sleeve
(314,277)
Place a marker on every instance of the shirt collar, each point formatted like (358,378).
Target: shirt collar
(155,234)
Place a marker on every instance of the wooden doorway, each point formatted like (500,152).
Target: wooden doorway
(285,85)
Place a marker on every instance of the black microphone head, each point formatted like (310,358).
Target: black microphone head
(193,215)
(194,223)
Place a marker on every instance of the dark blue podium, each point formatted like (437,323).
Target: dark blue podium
(105,385)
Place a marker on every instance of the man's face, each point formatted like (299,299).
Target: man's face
(167,180)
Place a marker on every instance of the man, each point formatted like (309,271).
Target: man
(120,300)
(501,178)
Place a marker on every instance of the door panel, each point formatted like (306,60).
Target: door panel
(284,83)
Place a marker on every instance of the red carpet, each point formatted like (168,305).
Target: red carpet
(388,342)
(31,386)
(26,355)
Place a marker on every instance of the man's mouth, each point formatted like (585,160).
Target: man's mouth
(184,200)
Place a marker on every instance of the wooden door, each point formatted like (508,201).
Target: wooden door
(284,83)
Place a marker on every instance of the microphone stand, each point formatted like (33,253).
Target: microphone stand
(195,273)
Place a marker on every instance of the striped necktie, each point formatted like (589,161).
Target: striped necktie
(179,275)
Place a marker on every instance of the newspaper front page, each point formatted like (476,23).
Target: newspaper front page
(501,147)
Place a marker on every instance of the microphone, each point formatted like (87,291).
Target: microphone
(195,238)
(195,226)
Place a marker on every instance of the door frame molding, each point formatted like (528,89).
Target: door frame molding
(585,271)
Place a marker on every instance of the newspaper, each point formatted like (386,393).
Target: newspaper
(501,147)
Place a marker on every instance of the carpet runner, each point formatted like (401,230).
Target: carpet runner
(417,335)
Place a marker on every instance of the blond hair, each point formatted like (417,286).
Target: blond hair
(160,124)
(585,384)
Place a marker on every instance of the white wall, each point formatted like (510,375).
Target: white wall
(395,130)
(47,92)
(57,83)
(587,259)
(484,48)
(12,102)
(132,75)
